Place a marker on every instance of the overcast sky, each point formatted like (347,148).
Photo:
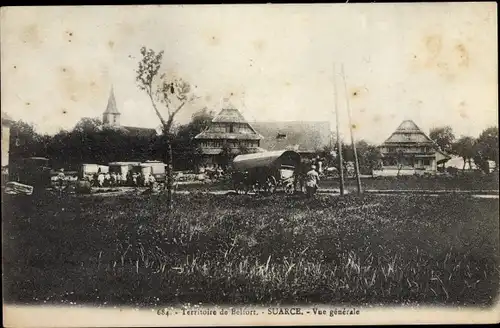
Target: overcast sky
(433,63)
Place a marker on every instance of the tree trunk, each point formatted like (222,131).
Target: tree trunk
(169,177)
(463,168)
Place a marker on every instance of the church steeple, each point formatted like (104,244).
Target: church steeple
(111,115)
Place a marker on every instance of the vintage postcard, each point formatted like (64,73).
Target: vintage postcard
(325,164)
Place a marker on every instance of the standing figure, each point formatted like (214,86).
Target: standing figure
(129,179)
(312,179)
(100,179)
(123,179)
(61,180)
(107,179)
(151,180)
(320,166)
(113,179)
(93,181)
(302,173)
(140,180)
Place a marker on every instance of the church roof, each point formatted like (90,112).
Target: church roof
(409,132)
(133,130)
(139,131)
(111,108)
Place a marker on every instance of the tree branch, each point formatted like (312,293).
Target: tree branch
(178,109)
(156,108)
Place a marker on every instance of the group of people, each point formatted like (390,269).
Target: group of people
(113,179)
(213,173)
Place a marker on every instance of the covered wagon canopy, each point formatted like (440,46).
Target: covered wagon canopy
(266,159)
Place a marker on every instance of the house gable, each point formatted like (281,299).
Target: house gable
(408,133)
(231,125)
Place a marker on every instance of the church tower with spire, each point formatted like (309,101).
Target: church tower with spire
(111,116)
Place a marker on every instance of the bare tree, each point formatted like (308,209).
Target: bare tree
(169,93)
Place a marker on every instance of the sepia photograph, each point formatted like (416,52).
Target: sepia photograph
(250,164)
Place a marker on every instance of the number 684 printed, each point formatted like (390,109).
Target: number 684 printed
(163,311)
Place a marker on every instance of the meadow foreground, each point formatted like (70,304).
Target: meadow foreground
(225,249)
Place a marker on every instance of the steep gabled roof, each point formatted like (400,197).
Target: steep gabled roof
(409,132)
(229,115)
(408,126)
(229,136)
(111,108)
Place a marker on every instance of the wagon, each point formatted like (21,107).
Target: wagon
(157,170)
(266,171)
(122,169)
(33,171)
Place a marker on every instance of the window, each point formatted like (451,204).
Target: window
(231,128)
(427,162)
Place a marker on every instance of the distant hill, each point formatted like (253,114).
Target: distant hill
(308,136)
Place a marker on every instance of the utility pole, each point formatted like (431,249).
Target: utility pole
(356,163)
(339,142)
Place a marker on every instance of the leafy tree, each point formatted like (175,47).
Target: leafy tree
(167,92)
(88,125)
(58,148)
(443,136)
(328,153)
(486,148)
(25,141)
(464,147)
(347,156)
(185,148)
(369,157)
(201,120)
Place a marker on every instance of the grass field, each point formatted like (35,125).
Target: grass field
(251,249)
(470,182)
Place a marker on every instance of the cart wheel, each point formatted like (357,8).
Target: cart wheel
(270,185)
(255,187)
(289,189)
(239,189)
